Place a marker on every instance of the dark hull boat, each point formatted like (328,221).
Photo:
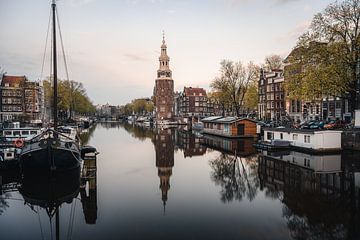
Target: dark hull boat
(50,151)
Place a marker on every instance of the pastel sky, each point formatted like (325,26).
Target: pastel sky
(112,46)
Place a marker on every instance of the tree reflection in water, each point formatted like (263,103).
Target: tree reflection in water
(236,175)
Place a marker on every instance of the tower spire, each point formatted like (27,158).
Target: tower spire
(163,32)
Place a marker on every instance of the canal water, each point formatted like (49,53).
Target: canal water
(172,184)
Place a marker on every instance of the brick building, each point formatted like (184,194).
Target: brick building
(194,102)
(271,95)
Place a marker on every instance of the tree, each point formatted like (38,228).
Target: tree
(329,53)
(251,97)
(233,82)
(273,62)
(72,97)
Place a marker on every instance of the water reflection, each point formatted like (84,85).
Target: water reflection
(45,192)
(88,190)
(213,184)
(164,150)
(319,196)
(237,176)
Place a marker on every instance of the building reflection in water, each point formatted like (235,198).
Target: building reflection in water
(163,140)
(240,147)
(320,195)
(190,143)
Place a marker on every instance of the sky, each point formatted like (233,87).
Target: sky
(112,46)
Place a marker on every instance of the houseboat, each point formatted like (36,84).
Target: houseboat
(304,139)
(326,163)
(240,147)
(232,127)
(14,131)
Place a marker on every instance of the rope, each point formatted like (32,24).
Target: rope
(46,41)
(62,45)
(41,230)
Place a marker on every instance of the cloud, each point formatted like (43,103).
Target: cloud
(278,2)
(135,57)
(294,33)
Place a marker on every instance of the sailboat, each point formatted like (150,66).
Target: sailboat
(51,150)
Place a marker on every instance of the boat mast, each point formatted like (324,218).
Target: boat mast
(55,110)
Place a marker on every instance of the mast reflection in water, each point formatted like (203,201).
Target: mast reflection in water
(212,188)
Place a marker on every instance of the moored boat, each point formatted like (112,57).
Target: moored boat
(54,149)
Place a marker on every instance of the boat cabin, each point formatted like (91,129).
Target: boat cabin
(11,134)
(230,126)
(313,140)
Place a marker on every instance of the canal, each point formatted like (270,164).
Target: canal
(172,184)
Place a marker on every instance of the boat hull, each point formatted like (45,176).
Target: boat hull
(52,159)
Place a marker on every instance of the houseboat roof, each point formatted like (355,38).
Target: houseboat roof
(220,119)
(210,119)
(299,130)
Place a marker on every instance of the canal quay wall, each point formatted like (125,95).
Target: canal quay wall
(350,139)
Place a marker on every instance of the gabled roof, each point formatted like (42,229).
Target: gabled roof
(190,91)
(12,80)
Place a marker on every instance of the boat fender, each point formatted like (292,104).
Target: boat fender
(19,143)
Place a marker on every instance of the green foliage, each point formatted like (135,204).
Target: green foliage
(325,60)
(138,106)
(251,97)
(72,97)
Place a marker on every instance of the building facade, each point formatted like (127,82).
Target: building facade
(194,102)
(164,88)
(12,97)
(321,108)
(271,95)
(33,99)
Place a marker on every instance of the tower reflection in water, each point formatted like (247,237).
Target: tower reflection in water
(164,151)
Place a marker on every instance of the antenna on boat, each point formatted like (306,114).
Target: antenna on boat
(55,110)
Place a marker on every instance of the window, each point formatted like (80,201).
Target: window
(24,132)
(7,133)
(33,132)
(281,136)
(16,133)
(269,135)
(306,139)
(295,137)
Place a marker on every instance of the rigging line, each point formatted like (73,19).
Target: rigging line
(73,220)
(46,43)
(62,45)
(51,54)
(71,210)
(41,230)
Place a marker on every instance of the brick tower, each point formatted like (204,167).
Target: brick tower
(164,88)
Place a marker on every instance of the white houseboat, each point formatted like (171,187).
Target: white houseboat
(14,131)
(329,163)
(313,140)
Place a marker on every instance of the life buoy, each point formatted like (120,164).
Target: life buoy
(19,143)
